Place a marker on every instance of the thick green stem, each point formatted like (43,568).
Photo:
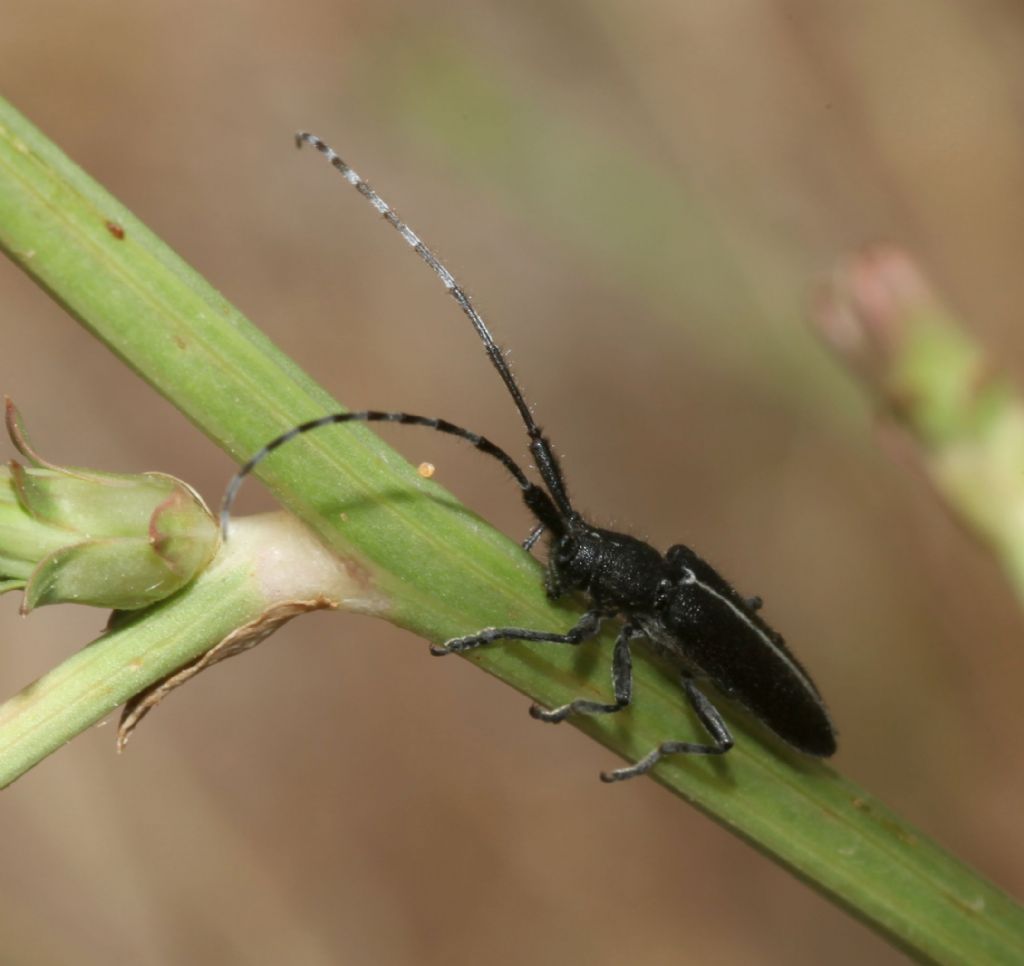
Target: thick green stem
(271,570)
(443,572)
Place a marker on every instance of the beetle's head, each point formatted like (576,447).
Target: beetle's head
(573,559)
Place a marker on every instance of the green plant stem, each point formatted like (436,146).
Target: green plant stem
(271,570)
(444,572)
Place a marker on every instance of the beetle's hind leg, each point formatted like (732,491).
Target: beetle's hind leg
(708,716)
(622,684)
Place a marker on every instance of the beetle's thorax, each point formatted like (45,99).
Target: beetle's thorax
(615,570)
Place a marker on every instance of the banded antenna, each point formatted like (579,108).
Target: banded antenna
(552,509)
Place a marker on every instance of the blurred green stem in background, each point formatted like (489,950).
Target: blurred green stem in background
(583,186)
(439,571)
(964,417)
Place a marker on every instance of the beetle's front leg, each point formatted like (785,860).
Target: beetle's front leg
(587,626)
(552,585)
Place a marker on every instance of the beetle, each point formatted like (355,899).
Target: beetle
(675,603)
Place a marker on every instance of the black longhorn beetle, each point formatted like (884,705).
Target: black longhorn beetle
(678,603)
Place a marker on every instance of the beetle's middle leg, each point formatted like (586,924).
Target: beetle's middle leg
(708,716)
(622,684)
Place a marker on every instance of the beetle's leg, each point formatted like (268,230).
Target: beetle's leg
(533,537)
(552,587)
(708,716)
(622,682)
(587,626)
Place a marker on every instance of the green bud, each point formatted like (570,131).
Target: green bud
(105,539)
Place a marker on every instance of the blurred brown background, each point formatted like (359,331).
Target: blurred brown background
(642,198)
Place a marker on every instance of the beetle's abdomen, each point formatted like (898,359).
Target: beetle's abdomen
(747,661)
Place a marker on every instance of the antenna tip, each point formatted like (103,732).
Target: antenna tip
(226,504)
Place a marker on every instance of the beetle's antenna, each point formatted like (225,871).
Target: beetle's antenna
(540,447)
(535,498)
